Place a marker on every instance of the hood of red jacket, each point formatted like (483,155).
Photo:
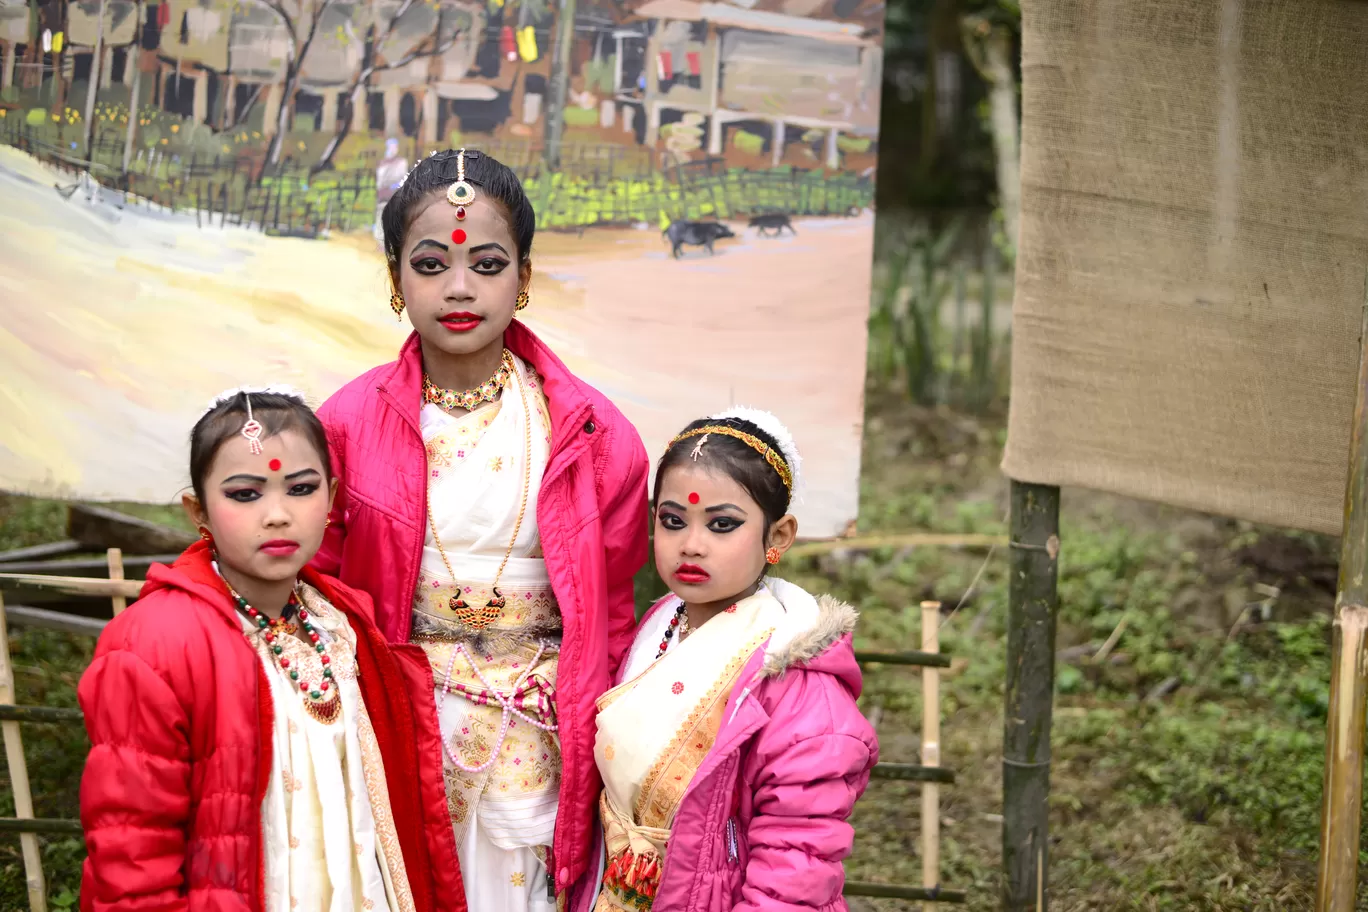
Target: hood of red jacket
(193,573)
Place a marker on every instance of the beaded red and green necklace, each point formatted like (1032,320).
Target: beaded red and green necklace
(322,701)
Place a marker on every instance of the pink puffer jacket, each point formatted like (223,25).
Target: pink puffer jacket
(591,515)
(764,826)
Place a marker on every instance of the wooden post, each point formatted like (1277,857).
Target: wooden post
(1032,605)
(1342,796)
(19,780)
(930,753)
(116,572)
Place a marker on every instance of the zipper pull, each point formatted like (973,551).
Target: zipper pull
(550,876)
(733,847)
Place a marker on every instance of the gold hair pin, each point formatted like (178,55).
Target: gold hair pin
(460,193)
(775,460)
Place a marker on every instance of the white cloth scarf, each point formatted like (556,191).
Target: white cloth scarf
(475,483)
(329,839)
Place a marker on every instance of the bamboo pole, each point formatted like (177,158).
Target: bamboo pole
(116,573)
(1032,606)
(896,540)
(76,585)
(19,780)
(1342,796)
(930,753)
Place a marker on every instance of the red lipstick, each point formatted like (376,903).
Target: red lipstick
(460,321)
(280,547)
(692,575)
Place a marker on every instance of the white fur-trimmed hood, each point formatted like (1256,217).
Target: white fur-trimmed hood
(813,626)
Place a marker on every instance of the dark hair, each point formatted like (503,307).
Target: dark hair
(437,172)
(741,462)
(275,412)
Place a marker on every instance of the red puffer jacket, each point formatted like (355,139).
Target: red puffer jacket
(179,716)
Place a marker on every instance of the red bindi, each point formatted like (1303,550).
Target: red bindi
(275,465)
(693,498)
(458,236)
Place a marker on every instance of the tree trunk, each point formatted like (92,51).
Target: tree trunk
(562,52)
(96,66)
(134,55)
(355,97)
(1006,135)
(283,115)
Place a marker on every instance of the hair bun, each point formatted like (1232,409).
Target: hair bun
(771,425)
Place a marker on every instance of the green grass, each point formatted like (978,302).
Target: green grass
(1205,798)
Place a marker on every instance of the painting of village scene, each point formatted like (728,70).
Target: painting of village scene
(189,192)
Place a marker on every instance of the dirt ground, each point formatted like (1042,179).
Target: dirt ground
(121,324)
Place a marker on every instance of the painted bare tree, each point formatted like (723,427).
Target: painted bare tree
(300,20)
(455,30)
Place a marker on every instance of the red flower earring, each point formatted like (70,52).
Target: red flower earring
(772,556)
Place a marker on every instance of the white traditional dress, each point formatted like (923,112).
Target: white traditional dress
(330,843)
(656,728)
(495,670)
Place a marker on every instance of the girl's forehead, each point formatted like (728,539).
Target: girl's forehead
(290,449)
(435,217)
(711,483)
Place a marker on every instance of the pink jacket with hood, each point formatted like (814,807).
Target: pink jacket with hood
(591,516)
(764,826)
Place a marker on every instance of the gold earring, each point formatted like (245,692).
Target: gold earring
(397,304)
(522,301)
(206,535)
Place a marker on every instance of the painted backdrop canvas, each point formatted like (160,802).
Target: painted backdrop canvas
(220,230)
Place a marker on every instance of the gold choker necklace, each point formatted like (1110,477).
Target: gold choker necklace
(468,399)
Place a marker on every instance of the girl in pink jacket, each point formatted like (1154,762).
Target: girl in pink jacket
(493,505)
(733,751)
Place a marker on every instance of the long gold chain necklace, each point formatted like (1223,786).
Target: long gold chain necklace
(491,611)
(468,399)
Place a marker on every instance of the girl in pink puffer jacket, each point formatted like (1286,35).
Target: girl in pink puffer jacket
(731,749)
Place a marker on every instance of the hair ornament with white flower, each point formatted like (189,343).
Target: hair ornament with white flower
(771,425)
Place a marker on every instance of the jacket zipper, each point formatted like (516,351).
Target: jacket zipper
(550,874)
(733,848)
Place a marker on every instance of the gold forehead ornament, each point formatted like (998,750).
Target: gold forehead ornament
(460,193)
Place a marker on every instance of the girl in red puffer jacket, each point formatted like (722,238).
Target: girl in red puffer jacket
(246,717)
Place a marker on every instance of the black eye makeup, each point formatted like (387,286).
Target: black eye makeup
(724,524)
(670,520)
(490,265)
(243,495)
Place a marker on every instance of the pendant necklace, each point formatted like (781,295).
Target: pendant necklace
(481,617)
(321,699)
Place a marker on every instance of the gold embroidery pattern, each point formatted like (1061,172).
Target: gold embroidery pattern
(671,774)
(528,762)
(455,442)
(373,769)
(518,878)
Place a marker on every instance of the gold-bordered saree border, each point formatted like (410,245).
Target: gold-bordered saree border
(671,774)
